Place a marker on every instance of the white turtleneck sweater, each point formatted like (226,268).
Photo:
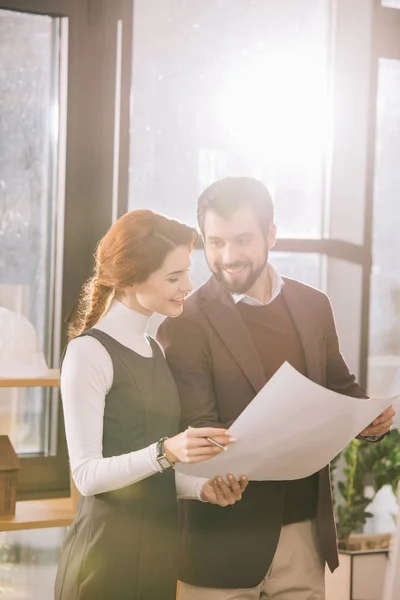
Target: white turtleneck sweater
(86,378)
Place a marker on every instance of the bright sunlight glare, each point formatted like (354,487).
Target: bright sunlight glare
(278,110)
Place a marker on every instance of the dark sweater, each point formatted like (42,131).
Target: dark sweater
(276,340)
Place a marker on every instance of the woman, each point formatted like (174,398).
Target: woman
(121,413)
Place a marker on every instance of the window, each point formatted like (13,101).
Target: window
(28,204)
(234,87)
(239,87)
(33,80)
(391,3)
(384,358)
(70,164)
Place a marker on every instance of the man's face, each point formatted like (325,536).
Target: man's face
(236,249)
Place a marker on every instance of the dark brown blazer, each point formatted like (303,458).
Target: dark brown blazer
(218,372)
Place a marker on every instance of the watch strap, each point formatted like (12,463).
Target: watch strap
(161,456)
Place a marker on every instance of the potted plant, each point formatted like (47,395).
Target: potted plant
(363,558)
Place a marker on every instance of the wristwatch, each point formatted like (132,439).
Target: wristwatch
(161,457)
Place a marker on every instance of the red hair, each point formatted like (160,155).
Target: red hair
(132,249)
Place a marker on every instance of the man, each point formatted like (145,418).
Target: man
(233,335)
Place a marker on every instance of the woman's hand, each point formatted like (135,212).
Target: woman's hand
(216,491)
(192,446)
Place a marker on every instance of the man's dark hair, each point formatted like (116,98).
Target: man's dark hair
(225,196)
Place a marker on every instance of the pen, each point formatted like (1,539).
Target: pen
(224,448)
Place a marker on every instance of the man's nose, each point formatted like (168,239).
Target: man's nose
(229,255)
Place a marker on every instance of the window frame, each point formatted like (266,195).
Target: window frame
(98,109)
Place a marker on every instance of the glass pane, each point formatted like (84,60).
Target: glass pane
(305,267)
(234,87)
(28,111)
(391,3)
(384,358)
(344,289)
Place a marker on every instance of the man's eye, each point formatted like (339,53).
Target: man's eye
(174,280)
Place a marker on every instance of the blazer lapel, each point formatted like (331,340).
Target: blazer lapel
(309,332)
(223,315)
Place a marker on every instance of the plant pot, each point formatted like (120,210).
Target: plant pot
(360,576)
(360,542)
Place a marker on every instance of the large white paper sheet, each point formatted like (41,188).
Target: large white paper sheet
(292,429)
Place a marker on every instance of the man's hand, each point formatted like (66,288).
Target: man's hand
(216,491)
(381,425)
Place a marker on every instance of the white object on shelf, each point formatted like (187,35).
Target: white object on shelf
(19,348)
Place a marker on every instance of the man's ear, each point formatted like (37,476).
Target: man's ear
(271,237)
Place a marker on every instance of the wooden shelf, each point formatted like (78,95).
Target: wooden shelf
(39,514)
(51,379)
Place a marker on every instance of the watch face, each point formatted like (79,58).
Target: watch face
(164,462)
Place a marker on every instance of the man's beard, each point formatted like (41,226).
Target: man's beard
(242,288)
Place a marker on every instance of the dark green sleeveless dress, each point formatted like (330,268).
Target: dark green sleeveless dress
(122,544)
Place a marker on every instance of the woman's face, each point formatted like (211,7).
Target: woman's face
(165,290)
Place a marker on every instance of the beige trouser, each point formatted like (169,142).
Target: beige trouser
(297,572)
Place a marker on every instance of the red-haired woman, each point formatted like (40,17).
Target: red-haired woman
(121,412)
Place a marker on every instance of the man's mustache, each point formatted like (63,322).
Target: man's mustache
(236,265)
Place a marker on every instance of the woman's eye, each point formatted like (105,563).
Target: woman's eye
(173,280)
